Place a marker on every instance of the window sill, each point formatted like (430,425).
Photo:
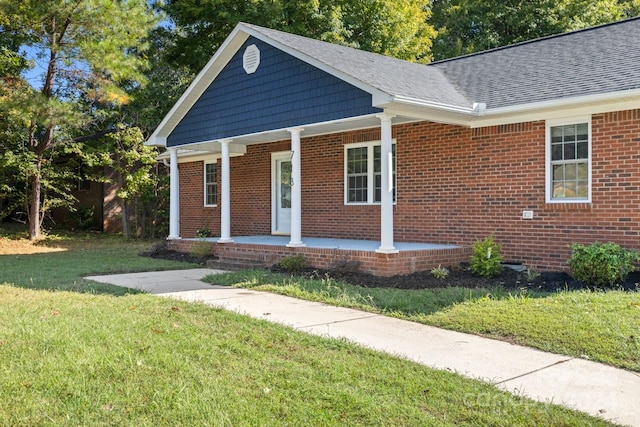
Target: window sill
(568,206)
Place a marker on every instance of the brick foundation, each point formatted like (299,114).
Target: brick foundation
(369,262)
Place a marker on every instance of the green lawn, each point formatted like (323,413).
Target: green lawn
(601,326)
(77,255)
(103,356)
(82,359)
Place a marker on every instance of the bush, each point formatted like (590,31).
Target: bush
(293,262)
(440,272)
(602,264)
(201,249)
(486,260)
(203,233)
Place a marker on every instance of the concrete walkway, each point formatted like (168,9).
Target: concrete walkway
(597,389)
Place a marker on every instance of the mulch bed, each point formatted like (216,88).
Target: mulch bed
(458,276)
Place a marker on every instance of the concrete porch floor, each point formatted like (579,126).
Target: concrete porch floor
(330,243)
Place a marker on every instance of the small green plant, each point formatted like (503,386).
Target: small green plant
(486,260)
(531,275)
(602,264)
(293,263)
(201,249)
(440,272)
(203,233)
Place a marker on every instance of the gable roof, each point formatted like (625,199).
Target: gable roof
(396,78)
(596,60)
(586,67)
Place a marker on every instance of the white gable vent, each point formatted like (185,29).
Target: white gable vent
(251,59)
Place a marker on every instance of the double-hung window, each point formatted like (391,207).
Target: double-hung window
(569,161)
(363,173)
(210,184)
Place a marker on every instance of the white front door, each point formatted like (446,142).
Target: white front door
(281,193)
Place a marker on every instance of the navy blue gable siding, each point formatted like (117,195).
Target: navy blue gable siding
(283,92)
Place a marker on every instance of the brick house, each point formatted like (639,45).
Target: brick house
(285,144)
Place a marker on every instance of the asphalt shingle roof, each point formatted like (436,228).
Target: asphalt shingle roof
(591,61)
(390,75)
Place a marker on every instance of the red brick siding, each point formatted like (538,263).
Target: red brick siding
(455,185)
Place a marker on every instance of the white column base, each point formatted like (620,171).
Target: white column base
(225,240)
(390,250)
(174,237)
(293,244)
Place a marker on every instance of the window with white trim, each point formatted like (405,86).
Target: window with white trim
(210,184)
(363,173)
(569,161)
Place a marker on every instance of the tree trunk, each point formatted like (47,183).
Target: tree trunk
(34,211)
(125,219)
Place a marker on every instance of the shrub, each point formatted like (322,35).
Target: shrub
(201,249)
(293,262)
(486,259)
(602,264)
(440,272)
(203,233)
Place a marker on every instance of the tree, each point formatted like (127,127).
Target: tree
(467,26)
(391,27)
(132,162)
(91,52)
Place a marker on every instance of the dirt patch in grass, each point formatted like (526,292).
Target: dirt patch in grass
(25,247)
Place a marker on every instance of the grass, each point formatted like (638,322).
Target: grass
(104,356)
(85,359)
(61,262)
(601,326)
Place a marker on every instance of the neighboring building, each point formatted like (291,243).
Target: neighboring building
(97,207)
(537,144)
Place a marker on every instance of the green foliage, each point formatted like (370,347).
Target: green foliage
(92,51)
(293,262)
(530,275)
(467,26)
(82,218)
(602,264)
(203,233)
(486,259)
(440,272)
(201,249)
(390,27)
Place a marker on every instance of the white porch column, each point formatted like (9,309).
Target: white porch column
(174,195)
(296,190)
(225,202)
(386,197)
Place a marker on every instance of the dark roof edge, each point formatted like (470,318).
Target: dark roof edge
(552,36)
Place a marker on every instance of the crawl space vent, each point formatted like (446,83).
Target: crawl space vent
(251,59)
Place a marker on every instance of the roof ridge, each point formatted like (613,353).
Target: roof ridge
(533,41)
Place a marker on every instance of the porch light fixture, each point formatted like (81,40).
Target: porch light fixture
(251,59)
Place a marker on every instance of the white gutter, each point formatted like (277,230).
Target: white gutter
(563,102)
(477,108)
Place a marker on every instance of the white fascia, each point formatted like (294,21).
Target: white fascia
(596,103)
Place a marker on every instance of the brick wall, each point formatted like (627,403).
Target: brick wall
(455,185)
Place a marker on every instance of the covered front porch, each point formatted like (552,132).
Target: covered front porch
(329,253)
